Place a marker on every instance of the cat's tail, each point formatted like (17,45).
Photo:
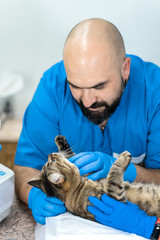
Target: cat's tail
(114,181)
(63,146)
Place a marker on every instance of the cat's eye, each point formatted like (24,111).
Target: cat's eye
(53,159)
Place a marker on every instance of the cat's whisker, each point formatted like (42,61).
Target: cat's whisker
(66,153)
(69,150)
(74,147)
(77,147)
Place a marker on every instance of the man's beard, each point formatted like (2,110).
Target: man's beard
(99,117)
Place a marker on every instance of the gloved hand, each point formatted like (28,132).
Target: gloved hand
(99,164)
(123,216)
(43,206)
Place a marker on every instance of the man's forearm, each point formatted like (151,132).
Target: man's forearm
(22,176)
(146,175)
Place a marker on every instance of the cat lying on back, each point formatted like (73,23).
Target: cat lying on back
(61,178)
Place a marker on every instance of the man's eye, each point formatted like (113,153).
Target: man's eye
(99,87)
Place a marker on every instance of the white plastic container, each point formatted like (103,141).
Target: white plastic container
(6,191)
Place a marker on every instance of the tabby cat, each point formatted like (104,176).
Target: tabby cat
(61,178)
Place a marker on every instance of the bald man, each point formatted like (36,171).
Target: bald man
(103,101)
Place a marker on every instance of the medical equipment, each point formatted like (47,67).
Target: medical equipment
(6,191)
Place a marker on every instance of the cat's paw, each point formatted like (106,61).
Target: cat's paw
(126,154)
(125,157)
(60,141)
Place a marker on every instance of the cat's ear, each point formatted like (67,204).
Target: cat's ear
(35,182)
(56,178)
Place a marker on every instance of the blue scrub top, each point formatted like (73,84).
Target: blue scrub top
(134,126)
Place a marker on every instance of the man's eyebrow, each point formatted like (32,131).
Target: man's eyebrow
(73,84)
(95,86)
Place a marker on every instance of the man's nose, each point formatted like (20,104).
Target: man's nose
(88,97)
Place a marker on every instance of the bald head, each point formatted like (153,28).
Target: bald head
(95,34)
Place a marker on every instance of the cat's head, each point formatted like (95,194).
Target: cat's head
(58,176)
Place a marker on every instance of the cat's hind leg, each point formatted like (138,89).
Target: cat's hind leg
(114,183)
(63,146)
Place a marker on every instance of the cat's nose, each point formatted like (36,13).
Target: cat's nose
(55,156)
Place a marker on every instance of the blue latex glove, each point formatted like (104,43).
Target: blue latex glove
(123,216)
(43,206)
(99,164)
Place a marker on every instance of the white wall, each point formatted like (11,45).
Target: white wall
(32,33)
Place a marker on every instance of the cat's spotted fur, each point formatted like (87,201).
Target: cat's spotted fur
(61,178)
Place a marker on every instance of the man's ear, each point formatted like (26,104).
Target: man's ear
(35,182)
(56,178)
(126,68)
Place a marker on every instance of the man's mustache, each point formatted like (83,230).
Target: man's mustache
(98,104)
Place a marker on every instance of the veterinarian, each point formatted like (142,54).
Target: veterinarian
(104,102)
